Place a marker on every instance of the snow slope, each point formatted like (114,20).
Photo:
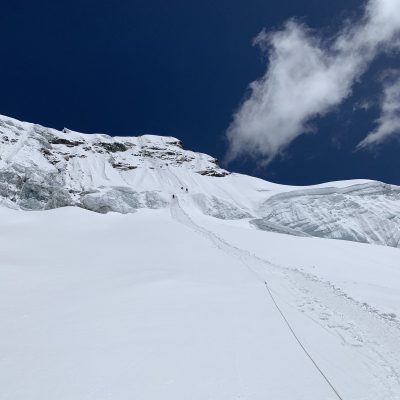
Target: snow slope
(42,168)
(172,304)
(224,291)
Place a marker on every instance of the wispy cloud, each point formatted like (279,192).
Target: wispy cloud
(307,76)
(388,123)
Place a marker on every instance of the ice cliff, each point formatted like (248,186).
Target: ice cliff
(43,168)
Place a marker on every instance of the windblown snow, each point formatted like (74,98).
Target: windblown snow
(232,289)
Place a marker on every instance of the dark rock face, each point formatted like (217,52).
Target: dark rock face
(123,167)
(114,147)
(69,143)
(178,143)
(211,172)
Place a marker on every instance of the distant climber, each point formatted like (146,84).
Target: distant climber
(181,187)
(187,190)
(173,196)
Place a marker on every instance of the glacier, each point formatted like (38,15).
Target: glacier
(43,168)
(131,268)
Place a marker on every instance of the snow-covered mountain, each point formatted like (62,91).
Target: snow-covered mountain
(203,284)
(43,168)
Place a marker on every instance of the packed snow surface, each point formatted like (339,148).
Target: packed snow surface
(43,168)
(173,304)
(145,271)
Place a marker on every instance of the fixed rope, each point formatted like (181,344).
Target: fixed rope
(175,206)
(300,343)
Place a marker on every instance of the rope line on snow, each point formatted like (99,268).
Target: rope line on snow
(300,343)
(211,236)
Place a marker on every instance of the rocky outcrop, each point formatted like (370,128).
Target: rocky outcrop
(42,168)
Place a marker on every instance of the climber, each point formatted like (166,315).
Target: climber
(173,196)
(187,190)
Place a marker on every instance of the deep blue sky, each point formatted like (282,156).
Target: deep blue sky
(174,67)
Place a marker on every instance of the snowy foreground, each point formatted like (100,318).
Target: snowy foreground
(172,304)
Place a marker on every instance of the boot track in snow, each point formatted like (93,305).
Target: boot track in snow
(357,326)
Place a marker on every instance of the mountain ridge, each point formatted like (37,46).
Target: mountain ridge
(43,168)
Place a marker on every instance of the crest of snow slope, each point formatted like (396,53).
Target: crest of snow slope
(172,305)
(42,168)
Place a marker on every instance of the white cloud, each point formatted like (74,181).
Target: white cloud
(307,76)
(388,124)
